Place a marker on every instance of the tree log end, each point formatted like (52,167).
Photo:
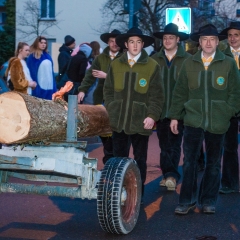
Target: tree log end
(14,118)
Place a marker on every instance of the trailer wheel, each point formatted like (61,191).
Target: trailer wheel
(119,195)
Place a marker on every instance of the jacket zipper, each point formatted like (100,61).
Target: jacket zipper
(128,98)
(168,94)
(206,102)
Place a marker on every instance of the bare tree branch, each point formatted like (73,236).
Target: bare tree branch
(30,24)
(151,16)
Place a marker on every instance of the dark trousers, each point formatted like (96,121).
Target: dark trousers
(192,143)
(170,145)
(107,148)
(230,165)
(201,161)
(140,147)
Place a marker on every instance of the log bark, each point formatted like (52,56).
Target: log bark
(24,118)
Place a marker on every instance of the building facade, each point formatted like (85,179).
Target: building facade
(78,18)
(2,14)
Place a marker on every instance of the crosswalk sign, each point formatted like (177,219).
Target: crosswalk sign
(181,17)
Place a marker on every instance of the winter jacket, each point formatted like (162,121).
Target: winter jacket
(133,94)
(101,63)
(41,70)
(228,51)
(207,99)
(63,57)
(169,74)
(77,67)
(20,83)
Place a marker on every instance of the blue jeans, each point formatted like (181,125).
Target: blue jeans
(230,167)
(170,145)
(192,143)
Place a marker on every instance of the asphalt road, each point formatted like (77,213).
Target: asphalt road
(41,217)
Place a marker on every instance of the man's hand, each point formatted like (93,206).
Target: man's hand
(81,96)
(148,123)
(99,74)
(174,126)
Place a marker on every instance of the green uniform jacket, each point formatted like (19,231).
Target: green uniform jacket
(170,74)
(207,99)
(228,52)
(101,63)
(132,94)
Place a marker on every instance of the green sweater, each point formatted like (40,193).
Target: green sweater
(132,94)
(101,63)
(207,99)
(169,74)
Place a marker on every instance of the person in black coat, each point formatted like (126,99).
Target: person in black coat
(77,67)
(65,53)
(79,63)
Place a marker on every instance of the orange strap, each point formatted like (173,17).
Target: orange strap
(66,88)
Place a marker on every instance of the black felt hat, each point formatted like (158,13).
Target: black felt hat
(134,32)
(207,30)
(105,36)
(233,25)
(172,29)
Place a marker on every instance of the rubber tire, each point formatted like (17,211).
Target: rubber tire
(114,217)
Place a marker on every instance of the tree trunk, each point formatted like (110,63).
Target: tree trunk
(24,118)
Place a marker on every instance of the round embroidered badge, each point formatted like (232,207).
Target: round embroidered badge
(142,82)
(220,80)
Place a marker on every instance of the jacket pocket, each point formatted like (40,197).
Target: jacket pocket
(221,113)
(139,112)
(114,112)
(119,81)
(141,82)
(194,79)
(193,116)
(219,80)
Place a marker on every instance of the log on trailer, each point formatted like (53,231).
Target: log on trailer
(24,118)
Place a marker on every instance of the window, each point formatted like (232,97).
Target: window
(49,42)
(47,8)
(205,4)
(2,18)
(238,13)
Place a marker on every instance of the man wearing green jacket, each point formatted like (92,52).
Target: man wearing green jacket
(133,93)
(230,164)
(170,59)
(99,70)
(206,97)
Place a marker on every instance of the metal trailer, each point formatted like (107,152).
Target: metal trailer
(117,187)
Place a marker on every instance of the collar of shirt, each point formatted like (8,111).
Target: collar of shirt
(170,56)
(232,49)
(113,54)
(235,53)
(135,58)
(208,57)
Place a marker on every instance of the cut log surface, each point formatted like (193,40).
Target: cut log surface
(24,118)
